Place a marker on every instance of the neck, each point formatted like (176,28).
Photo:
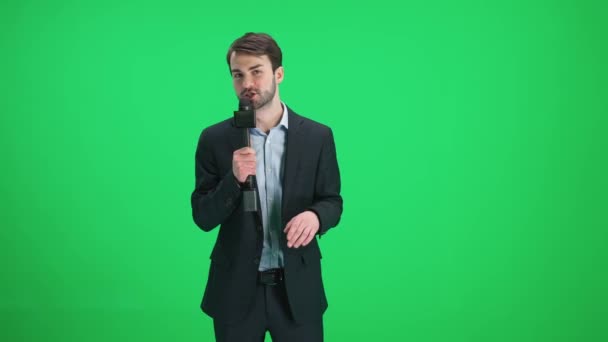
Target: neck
(269,116)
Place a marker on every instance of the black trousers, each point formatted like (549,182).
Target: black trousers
(270,312)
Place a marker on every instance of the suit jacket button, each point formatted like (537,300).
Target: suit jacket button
(229,202)
(256,261)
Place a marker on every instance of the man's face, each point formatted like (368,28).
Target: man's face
(252,77)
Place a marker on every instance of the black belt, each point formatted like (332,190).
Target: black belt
(273,276)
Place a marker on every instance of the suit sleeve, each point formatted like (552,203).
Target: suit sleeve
(215,196)
(327,200)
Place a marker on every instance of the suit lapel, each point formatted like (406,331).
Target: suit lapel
(293,148)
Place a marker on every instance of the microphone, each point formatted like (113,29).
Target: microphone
(245,118)
(245,104)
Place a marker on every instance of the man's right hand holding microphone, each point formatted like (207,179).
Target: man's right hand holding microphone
(243,164)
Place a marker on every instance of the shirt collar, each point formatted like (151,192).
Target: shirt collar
(284,120)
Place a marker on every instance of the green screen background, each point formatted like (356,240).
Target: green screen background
(471,138)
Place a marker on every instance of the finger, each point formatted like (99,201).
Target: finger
(247,150)
(288,226)
(247,164)
(300,240)
(239,151)
(245,159)
(291,243)
(296,233)
(246,155)
(310,237)
(243,171)
(294,229)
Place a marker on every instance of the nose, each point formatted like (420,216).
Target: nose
(247,82)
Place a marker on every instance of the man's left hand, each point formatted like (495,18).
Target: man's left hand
(301,229)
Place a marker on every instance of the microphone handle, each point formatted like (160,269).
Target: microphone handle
(246,138)
(250,181)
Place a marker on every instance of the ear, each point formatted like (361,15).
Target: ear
(279,74)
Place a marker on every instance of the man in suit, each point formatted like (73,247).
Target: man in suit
(265,272)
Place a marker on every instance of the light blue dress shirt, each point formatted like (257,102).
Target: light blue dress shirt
(270,160)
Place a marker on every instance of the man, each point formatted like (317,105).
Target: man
(265,272)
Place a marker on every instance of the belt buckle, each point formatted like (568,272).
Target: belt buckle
(271,277)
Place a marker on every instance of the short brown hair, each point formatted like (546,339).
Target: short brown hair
(257,44)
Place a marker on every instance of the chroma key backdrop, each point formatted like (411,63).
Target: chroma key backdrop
(471,137)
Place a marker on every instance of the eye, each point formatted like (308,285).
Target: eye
(237,76)
(257,72)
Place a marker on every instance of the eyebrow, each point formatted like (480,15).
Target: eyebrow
(251,68)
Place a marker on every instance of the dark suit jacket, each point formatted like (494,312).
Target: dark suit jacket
(311,181)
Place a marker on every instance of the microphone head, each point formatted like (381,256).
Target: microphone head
(245,103)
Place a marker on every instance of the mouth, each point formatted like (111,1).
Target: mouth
(249,94)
